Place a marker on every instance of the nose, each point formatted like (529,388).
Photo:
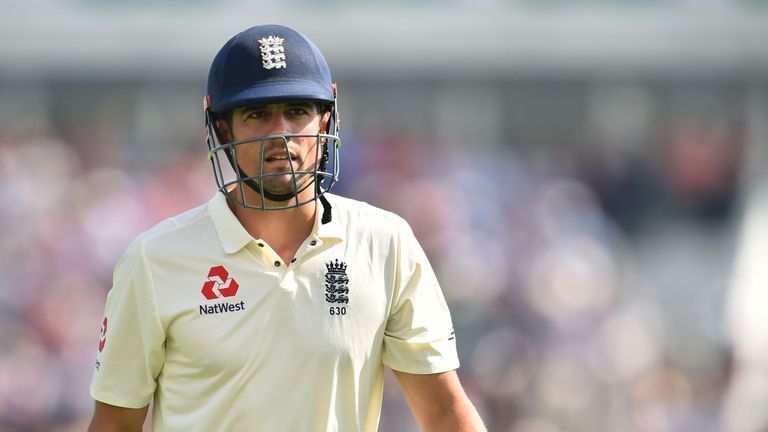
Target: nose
(279,124)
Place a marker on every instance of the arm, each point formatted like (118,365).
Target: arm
(131,350)
(110,418)
(439,403)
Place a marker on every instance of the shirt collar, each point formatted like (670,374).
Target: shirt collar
(232,234)
(234,237)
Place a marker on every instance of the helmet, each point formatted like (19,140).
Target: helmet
(265,64)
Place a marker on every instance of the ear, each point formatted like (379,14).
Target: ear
(222,129)
(324,119)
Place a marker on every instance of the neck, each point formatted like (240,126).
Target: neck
(284,230)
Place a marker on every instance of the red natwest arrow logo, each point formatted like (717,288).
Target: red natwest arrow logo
(219,282)
(103,335)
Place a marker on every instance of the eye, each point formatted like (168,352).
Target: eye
(297,111)
(257,114)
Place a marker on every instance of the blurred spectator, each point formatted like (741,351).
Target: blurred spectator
(700,166)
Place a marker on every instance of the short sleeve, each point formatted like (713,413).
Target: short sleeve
(132,344)
(419,335)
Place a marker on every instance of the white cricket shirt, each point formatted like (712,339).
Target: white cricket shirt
(226,337)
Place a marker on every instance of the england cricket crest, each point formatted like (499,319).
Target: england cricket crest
(336,282)
(272,52)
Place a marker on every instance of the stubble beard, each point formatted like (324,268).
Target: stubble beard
(284,182)
(280,180)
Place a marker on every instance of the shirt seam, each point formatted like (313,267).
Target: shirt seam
(156,311)
(395,293)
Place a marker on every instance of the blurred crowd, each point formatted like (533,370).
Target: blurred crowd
(64,226)
(587,289)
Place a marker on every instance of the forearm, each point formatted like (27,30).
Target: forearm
(461,416)
(110,418)
(439,403)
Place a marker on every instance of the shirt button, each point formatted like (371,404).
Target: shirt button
(293,260)
(260,244)
(313,242)
(277,263)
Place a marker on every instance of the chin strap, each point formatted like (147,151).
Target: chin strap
(326,210)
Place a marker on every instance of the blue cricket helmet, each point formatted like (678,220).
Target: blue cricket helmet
(268,63)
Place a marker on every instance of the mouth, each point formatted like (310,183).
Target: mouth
(279,158)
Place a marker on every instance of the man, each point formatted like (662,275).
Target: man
(276,305)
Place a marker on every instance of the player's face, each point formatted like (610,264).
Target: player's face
(278,119)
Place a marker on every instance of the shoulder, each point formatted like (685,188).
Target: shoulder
(352,208)
(362,215)
(172,233)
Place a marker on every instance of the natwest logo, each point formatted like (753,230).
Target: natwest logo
(103,335)
(219,284)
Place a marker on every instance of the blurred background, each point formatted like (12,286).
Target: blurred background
(586,176)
